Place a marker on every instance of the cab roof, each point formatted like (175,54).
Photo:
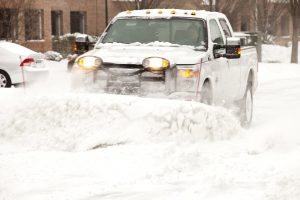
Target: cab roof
(167,13)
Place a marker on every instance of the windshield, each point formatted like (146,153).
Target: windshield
(189,32)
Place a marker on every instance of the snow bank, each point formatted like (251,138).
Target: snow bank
(84,121)
(53,55)
(92,38)
(277,54)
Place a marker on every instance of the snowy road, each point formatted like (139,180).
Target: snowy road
(71,146)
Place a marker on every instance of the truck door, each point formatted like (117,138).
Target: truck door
(234,81)
(220,69)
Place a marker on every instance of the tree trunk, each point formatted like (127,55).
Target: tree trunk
(294,10)
(210,5)
(294,58)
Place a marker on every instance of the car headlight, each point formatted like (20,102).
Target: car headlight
(89,62)
(156,64)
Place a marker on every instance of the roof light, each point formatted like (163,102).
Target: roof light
(173,12)
(193,13)
(148,12)
(160,12)
(128,12)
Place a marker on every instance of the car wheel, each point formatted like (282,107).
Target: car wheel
(206,94)
(246,108)
(5,81)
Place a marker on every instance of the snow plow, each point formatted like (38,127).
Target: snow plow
(179,54)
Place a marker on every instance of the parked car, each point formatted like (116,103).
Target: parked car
(19,64)
(176,53)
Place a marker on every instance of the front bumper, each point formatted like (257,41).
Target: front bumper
(137,81)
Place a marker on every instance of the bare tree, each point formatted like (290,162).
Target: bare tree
(295,14)
(201,3)
(138,4)
(266,14)
(12,18)
(149,4)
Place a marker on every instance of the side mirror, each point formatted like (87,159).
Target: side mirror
(232,49)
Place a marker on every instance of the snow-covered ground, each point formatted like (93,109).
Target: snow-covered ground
(277,54)
(59,145)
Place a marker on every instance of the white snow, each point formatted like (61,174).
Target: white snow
(148,148)
(277,54)
(53,55)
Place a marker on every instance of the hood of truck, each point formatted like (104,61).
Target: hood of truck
(135,54)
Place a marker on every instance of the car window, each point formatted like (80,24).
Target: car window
(225,27)
(215,32)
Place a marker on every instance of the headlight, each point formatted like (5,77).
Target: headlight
(89,62)
(156,64)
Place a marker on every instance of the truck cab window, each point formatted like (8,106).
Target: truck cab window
(215,32)
(225,27)
(189,32)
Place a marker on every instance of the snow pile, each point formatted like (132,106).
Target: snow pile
(92,38)
(162,152)
(53,55)
(277,54)
(84,121)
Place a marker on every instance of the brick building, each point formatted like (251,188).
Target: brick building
(47,18)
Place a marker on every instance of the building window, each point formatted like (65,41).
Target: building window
(57,22)
(78,22)
(34,25)
(8,24)
(285,26)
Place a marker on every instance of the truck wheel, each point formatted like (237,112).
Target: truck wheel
(5,81)
(246,108)
(206,94)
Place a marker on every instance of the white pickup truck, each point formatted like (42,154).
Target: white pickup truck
(175,53)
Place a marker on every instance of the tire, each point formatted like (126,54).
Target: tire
(246,108)
(5,81)
(206,94)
